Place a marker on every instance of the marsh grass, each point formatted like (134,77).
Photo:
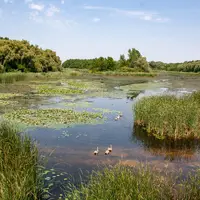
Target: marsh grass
(140,183)
(121,73)
(19,171)
(169,117)
(6,78)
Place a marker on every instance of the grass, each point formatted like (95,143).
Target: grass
(169,117)
(138,183)
(19,174)
(12,77)
(52,117)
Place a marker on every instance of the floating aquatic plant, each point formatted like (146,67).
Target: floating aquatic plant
(44,89)
(52,117)
(8,95)
(5,103)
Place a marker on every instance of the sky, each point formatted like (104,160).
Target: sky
(162,30)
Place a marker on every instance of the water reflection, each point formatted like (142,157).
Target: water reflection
(178,150)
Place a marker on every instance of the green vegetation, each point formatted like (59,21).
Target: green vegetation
(44,89)
(123,182)
(187,66)
(12,77)
(19,170)
(8,95)
(169,117)
(134,63)
(22,56)
(97,64)
(52,117)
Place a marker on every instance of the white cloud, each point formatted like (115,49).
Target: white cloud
(38,7)
(62,1)
(143,15)
(52,10)
(96,19)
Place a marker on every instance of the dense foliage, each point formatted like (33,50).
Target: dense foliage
(188,66)
(18,55)
(134,63)
(97,64)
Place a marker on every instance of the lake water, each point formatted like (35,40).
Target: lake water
(71,149)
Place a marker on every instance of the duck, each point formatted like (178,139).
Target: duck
(96,151)
(120,114)
(117,118)
(110,148)
(107,152)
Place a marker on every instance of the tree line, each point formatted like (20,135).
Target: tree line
(187,66)
(22,56)
(134,62)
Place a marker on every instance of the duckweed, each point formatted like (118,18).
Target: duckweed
(52,117)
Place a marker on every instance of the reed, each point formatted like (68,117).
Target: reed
(12,77)
(140,182)
(169,117)
(19,172)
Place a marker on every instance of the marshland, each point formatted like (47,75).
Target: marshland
(106,130)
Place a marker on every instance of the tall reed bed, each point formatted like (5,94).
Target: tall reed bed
(19,172)
(169,117)
(140,183)
(12,77)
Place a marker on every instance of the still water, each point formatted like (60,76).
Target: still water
(71,149)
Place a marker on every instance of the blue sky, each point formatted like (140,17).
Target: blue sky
(165,30)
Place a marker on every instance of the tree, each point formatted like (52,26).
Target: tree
(122,61)
(142,65)
(133,55)
(22,56)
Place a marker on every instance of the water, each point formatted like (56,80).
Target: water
(71,149)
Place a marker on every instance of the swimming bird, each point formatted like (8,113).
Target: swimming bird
(107,152)
(110,148)
(117,118)
(96,151)
(120,114)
